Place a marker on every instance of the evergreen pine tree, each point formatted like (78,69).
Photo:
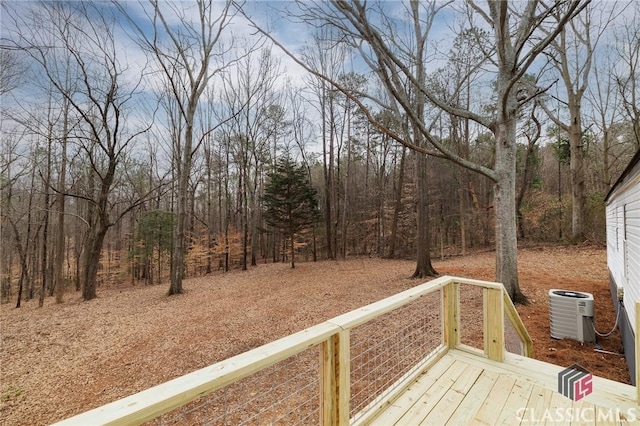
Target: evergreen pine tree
(290,203)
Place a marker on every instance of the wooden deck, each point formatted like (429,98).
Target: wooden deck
(454,384)
(467,389)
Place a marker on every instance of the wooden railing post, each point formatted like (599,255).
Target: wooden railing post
(451,315)
(494,324)
(335,380)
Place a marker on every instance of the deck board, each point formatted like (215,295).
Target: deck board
(474,399)
(491,407)
(518,398)
(430,399)
(467,389)
(398,407)
(539,400)
(586,418)
(453,397)
(558,402)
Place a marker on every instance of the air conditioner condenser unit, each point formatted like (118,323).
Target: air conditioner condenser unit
(571,315)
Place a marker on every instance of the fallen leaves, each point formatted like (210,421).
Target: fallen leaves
(65,359)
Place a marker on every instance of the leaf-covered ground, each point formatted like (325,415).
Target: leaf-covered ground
(65,359)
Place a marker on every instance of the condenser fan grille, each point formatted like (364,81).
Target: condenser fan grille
(571,315)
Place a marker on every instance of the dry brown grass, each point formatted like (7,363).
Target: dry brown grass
(65,359)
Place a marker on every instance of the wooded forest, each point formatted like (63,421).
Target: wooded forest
(140,139)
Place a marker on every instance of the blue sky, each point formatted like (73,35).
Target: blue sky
(292,34)
(271,14)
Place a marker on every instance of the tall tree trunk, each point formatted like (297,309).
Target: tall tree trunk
(292,238)
(526,181)
(45,230)
(33,255)
(315,251)
(27,244)
(573,58)
(504,131)
(254,229)
(578,192)
(178,253)
(24,267)
(245,239)
(24,277)
(606,152)
(100,224)
(466,176)
(79,243)
(92,261)
(244,211)
(505,210)
(398,206)
(328,182)
(345,187)
(423,230)
(210,211)
(182,206)
(334,176)
(45,273)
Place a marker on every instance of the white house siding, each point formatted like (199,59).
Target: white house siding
(615,257)
(632,254)
(623,253)
(623,242)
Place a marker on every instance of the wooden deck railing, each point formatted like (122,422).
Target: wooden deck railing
(333,340)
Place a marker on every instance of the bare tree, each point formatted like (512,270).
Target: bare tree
(185,54)
(514,48)
(532,131)
(458,81)
(102,99)
(45,277)
(12,70)
(301,129)
(417,101)
(59,281)
(12,170)
(572,56)
(45,124)
(606,114)
(398,204)
(250,91)
(345,138)
(628,78)
(327,59)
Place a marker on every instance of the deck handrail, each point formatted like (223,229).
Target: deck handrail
(513,316)
(333,336)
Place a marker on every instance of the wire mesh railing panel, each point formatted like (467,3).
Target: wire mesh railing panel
(471,316)
(512,341)
(385,349)
(286,393)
